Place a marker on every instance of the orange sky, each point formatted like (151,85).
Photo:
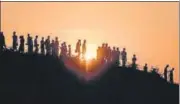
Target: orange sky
(148,29)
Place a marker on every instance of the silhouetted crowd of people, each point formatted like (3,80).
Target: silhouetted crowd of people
(52,47)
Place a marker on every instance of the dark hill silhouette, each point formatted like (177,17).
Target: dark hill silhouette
(36,79)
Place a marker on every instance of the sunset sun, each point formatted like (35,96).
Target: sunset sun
(89,56)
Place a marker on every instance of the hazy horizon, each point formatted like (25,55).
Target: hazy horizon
(147,29)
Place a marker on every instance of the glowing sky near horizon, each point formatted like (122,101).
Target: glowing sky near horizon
(147,29)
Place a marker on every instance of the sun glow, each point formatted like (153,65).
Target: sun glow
(90,53)
(89,56)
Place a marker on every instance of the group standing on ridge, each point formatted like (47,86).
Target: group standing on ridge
(53,47)
(168,73)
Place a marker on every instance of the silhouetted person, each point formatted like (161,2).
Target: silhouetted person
(84,49)
(69,50)
(134,61)
(78,46)
(57,46)
(98,53)
(106,51)
(36,45)
(28,42)
(109,54)
(30,45)
(2,42)
(165,72)
(102,51)
(171,80)
(145,68)
(65,48)
(113,58)
(15,42)
(117,56)
(42,46)
(62,49)
(53,51)
(47,44)
(124,57)
(21,46)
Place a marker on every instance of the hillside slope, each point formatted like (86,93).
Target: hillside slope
(36,79)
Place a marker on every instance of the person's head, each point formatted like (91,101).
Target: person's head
(109,47)
(84,40)
(28,35)
(124,49)
(56,38)
(69,45)
(172,69)
(14,32)
(167,65)
(114,48)
(42,38)
(48,37)
(106,45)
(117,48)
(145,64)
(36,36)
(134,55)
(103,45)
